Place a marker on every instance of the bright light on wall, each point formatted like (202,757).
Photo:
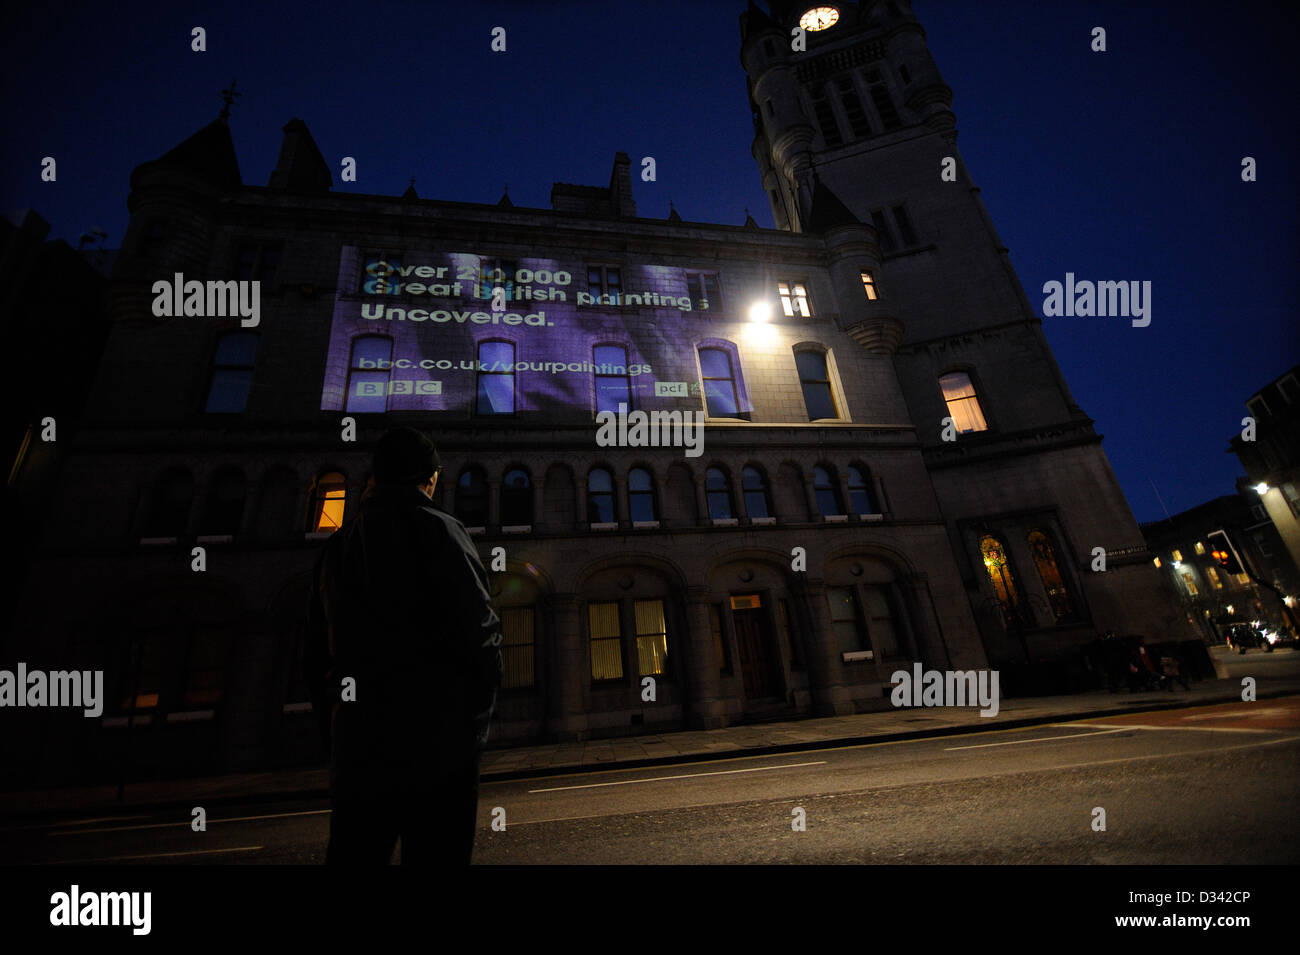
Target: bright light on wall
(760,312)
(1261,488)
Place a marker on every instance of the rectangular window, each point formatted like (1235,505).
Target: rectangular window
(1258,408)
(963,404)
(825,116)
(885,106)
(846,620)
(718,379)
(1289,389)
(367,388)
(497,272)
(613,384)
(232,373)
(904,226)
(719,644)
(605,284)
(496,378)
(883,232)
(853,110)
(869,285)
(1200,547)
(814,379)
(651,637)
(794,299)
(1262,543)
(1177,554)
(704,290)
(606,641)
(518,638)
(259,263)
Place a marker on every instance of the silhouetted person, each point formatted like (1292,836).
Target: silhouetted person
(403,663)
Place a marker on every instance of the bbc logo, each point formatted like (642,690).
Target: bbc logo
(405,386)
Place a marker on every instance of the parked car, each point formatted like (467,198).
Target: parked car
(1242,637)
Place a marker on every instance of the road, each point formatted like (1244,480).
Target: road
(1201,785)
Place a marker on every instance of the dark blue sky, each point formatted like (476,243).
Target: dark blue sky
(1122,165)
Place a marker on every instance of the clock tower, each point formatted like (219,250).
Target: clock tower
(852,121)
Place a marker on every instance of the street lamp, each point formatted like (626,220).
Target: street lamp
(760,312)
(1261,488)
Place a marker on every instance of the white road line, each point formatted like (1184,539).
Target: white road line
(186,822)
(656,779)
(1041,739)
(1202,729)
(163,855)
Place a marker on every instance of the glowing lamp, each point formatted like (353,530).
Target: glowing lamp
(760,312)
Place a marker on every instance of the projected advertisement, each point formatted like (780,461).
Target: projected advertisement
(433,331)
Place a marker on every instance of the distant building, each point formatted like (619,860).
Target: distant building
(1213,597)
(1272,460)
(893,469)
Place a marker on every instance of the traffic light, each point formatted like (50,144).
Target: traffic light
(1222,551)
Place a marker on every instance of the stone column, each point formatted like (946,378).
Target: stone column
(701,697)
(824,662)
(568,670)
(702,501)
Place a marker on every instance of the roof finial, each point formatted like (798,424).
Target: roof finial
(228,97)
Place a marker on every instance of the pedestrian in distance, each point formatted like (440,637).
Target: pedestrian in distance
(402,658)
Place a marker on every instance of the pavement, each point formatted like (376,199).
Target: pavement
(1276,674)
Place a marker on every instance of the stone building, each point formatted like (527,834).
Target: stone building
(892,468)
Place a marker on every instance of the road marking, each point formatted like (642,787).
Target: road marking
(1203,729)
(74,822)
(164,855)
(1041,739)
(657,779)
(186,822)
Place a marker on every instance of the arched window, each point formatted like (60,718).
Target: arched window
(1004,585)
(328,501)
(827,491)
(225,503)
(496,378)
(472,497)
(717,490)
(1058,595)
(758,500)
(232,373)
(613,385)
(641,496)
(367,390)
(516,498)
(815,380)
(718,378)
(600,496)
(861,494)
(170,513)
(963,403)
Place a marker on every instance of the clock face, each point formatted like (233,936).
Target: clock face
(819,18)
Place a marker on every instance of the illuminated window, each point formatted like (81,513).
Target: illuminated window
(328,501)
(827,492)
(1058,596)
(758,501)
(904,226)
(496,378)
(794,299)
(518,647)
(704,290)
(1212,574)
(999,571)
(1156,561)
(651,637)
(846,620)
(368,371)
(600,496)
(721,397)
(884,234)
(381,272)
(605,280)
(613,384)
(869,285)
(825,115)
(1189,581)
(1177,555)
(717,491)
(606,641)
(170,511)
(259,263)
(815,380)
(719,644)
(471,503)
(641,496)
(1241,579)
(861,495)
(963,405)
(232,373)
(225,505)
(497,272)
(1200,547)
(516,498)
(852,105)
